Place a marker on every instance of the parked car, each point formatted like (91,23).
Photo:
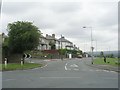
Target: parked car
(79,56)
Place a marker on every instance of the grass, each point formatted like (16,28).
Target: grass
(17,66)
(109,61)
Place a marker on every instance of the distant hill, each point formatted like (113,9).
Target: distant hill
(115,53)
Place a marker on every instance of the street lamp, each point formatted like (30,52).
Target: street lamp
(61,48)
(91,44)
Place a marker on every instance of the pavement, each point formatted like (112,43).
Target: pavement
(104,67)
(69,73)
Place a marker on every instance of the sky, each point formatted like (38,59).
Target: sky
(67,18)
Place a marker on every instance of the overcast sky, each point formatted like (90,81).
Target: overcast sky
(67,19)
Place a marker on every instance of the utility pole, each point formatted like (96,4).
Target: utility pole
(96,47)
(91,44)
(61,41)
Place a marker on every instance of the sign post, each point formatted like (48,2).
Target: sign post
(5,62)
(70,56)
(22,63)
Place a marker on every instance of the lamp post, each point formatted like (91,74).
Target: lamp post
(61,48)
(91,44)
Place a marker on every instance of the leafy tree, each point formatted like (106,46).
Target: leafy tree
(23,36)
(101,54)
(53,46)
(110,55)
(5,47)
(62,51)
(80,52)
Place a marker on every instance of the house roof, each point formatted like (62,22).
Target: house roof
(64,40)
(68,46)
(41,36)
(49,37)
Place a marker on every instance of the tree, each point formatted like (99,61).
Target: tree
(23,36)
(111,55)
(62,51)
(53,46)
(101,54)
(5,48)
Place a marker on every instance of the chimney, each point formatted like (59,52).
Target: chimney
(46,35)
(53,35)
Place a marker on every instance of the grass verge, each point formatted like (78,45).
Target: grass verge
(17,66)
(109,61)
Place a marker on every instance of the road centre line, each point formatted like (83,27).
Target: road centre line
(9,80)
(76,69)
(58,77)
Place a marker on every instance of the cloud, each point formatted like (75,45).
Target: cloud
(13,8)
(68,18)
(65,7)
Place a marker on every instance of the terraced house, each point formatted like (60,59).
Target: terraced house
(50,42)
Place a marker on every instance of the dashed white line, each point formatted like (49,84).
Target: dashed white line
(9,80)
(57,77)
(76,69)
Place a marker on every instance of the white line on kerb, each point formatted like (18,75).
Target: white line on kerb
(66,66)
(40,67)
(44,66)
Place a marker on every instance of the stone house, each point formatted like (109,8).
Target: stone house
(65,44)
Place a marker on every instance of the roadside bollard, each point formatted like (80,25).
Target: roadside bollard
(5,62)
(22,63)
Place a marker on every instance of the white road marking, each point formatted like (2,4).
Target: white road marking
(91,70)
(98,70)
(66,68)
(9,80)
(45,66)
(57,77)
(32,62)
(74,65)
(113,71)
(40,67)
(76,69)
(105,70)
(46,60)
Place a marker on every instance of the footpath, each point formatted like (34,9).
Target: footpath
(87,61)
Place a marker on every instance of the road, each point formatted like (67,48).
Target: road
(72,73)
